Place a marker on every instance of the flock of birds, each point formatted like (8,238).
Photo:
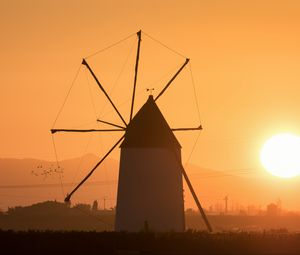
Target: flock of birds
(46,171)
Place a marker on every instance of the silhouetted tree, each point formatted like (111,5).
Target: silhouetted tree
(84,207)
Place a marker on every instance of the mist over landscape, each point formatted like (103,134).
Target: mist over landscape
(150,127)
(41,182)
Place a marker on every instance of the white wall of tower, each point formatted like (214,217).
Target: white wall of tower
(150,189)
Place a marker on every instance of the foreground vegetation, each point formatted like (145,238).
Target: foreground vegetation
(55,216)
(190,242)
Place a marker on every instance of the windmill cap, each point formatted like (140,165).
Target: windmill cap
(149,128)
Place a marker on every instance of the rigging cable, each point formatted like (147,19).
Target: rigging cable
(90,93)
(52,135)
(142,90)
(194,147)
(55,152)
(93,104)
(119,76)
(195,92)
(105,170)
(65,100)
(81,159)
(102,112)
(199,117)
(164,45)
(161,78)
(110,46)
(90,135)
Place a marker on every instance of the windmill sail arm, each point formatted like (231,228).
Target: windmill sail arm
(103,90)
(135,72)
(187,129)
(85,130)
(109,123)
(68,197)
(173,78)
(188,182)
(196,199)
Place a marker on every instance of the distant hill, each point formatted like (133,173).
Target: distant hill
(52,215)
(28,181)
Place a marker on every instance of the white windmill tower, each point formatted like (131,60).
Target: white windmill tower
(150,188)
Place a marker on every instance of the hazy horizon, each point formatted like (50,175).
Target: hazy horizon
(242,86)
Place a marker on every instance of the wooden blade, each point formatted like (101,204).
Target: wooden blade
(68,197)
(187,129)
(53,131)
(109,123)
(172,79)
(136,72)
(103,90)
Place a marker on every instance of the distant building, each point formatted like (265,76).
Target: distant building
(272,210)
(95,205)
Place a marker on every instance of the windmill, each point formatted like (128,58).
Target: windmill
(150,188)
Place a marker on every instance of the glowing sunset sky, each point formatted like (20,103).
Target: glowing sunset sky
(245,59)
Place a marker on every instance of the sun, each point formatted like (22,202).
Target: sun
(280,155)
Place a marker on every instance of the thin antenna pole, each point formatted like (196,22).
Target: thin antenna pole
(173,78)
(68,197)
(226,204)
(103,90)
(139,33)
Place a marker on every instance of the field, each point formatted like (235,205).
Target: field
(190,242)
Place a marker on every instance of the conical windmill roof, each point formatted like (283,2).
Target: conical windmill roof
(149,128)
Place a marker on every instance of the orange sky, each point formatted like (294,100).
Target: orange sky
(245,58)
